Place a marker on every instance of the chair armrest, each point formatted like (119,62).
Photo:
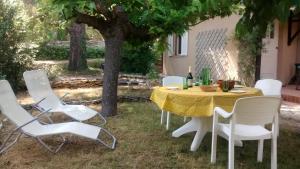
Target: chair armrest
(222,112)
(62,97)
(36,105)
(66,94)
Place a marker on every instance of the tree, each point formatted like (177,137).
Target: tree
(47,24)
(135,21)
(257,15)
(77,58)
(13,59)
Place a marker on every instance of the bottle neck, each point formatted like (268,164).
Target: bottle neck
(190,69)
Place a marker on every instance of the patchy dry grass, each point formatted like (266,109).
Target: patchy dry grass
(144,143)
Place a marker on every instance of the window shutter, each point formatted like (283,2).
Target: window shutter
(184,43)
(170,45)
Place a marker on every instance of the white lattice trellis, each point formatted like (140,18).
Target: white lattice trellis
(211,53)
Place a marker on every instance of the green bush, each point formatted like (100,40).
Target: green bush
(50,52)
(94,53)
(13,60)
(137,58)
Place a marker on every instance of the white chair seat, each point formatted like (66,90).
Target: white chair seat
(78,112)
(246,132)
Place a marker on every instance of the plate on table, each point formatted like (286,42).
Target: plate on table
(237,91)
(172,88)
(239,86)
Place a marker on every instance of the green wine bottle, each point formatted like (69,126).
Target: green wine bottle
(190,78)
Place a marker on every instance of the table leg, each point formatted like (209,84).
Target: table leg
(204,127)
(199,124)
(190,126)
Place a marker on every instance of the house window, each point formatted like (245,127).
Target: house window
(182,44)
(177,45)
(270,31)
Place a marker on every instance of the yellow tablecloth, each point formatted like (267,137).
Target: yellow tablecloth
(196,103)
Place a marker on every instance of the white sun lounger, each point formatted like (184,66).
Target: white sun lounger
(34,127)
(39,88)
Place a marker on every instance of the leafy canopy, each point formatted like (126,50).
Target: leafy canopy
(159,17)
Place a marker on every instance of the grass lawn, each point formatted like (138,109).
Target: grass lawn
(144,143)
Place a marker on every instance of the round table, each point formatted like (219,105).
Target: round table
(199,105)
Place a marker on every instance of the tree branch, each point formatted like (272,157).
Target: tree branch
(102,9)
(139,33)
(93,21)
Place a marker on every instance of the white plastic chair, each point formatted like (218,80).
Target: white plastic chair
(39,88)
(247,121)
(269,87)
(33,127)
(170,81)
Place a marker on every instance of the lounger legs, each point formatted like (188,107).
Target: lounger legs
(4,147)
(48,147)
(114,140)
(102,118)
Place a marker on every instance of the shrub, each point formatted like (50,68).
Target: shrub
(51,52)
(48,52)
(94,53)
(13,59)
(137,58)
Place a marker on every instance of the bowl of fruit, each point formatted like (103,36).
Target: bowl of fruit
(209,88)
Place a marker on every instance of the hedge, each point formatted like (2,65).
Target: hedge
(48,52)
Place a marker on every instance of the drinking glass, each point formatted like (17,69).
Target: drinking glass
(185,85)
(206,76)
(225,86)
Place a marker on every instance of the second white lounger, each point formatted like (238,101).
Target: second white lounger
(39,88)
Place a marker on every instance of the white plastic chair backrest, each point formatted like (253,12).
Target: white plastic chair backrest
(10,107)
(38,86)
(269,87)
(259,110)
(172,81)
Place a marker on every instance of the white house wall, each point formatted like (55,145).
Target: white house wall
(210,44)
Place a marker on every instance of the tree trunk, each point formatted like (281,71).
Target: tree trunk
(77,58)
(257,67)
(113,47)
